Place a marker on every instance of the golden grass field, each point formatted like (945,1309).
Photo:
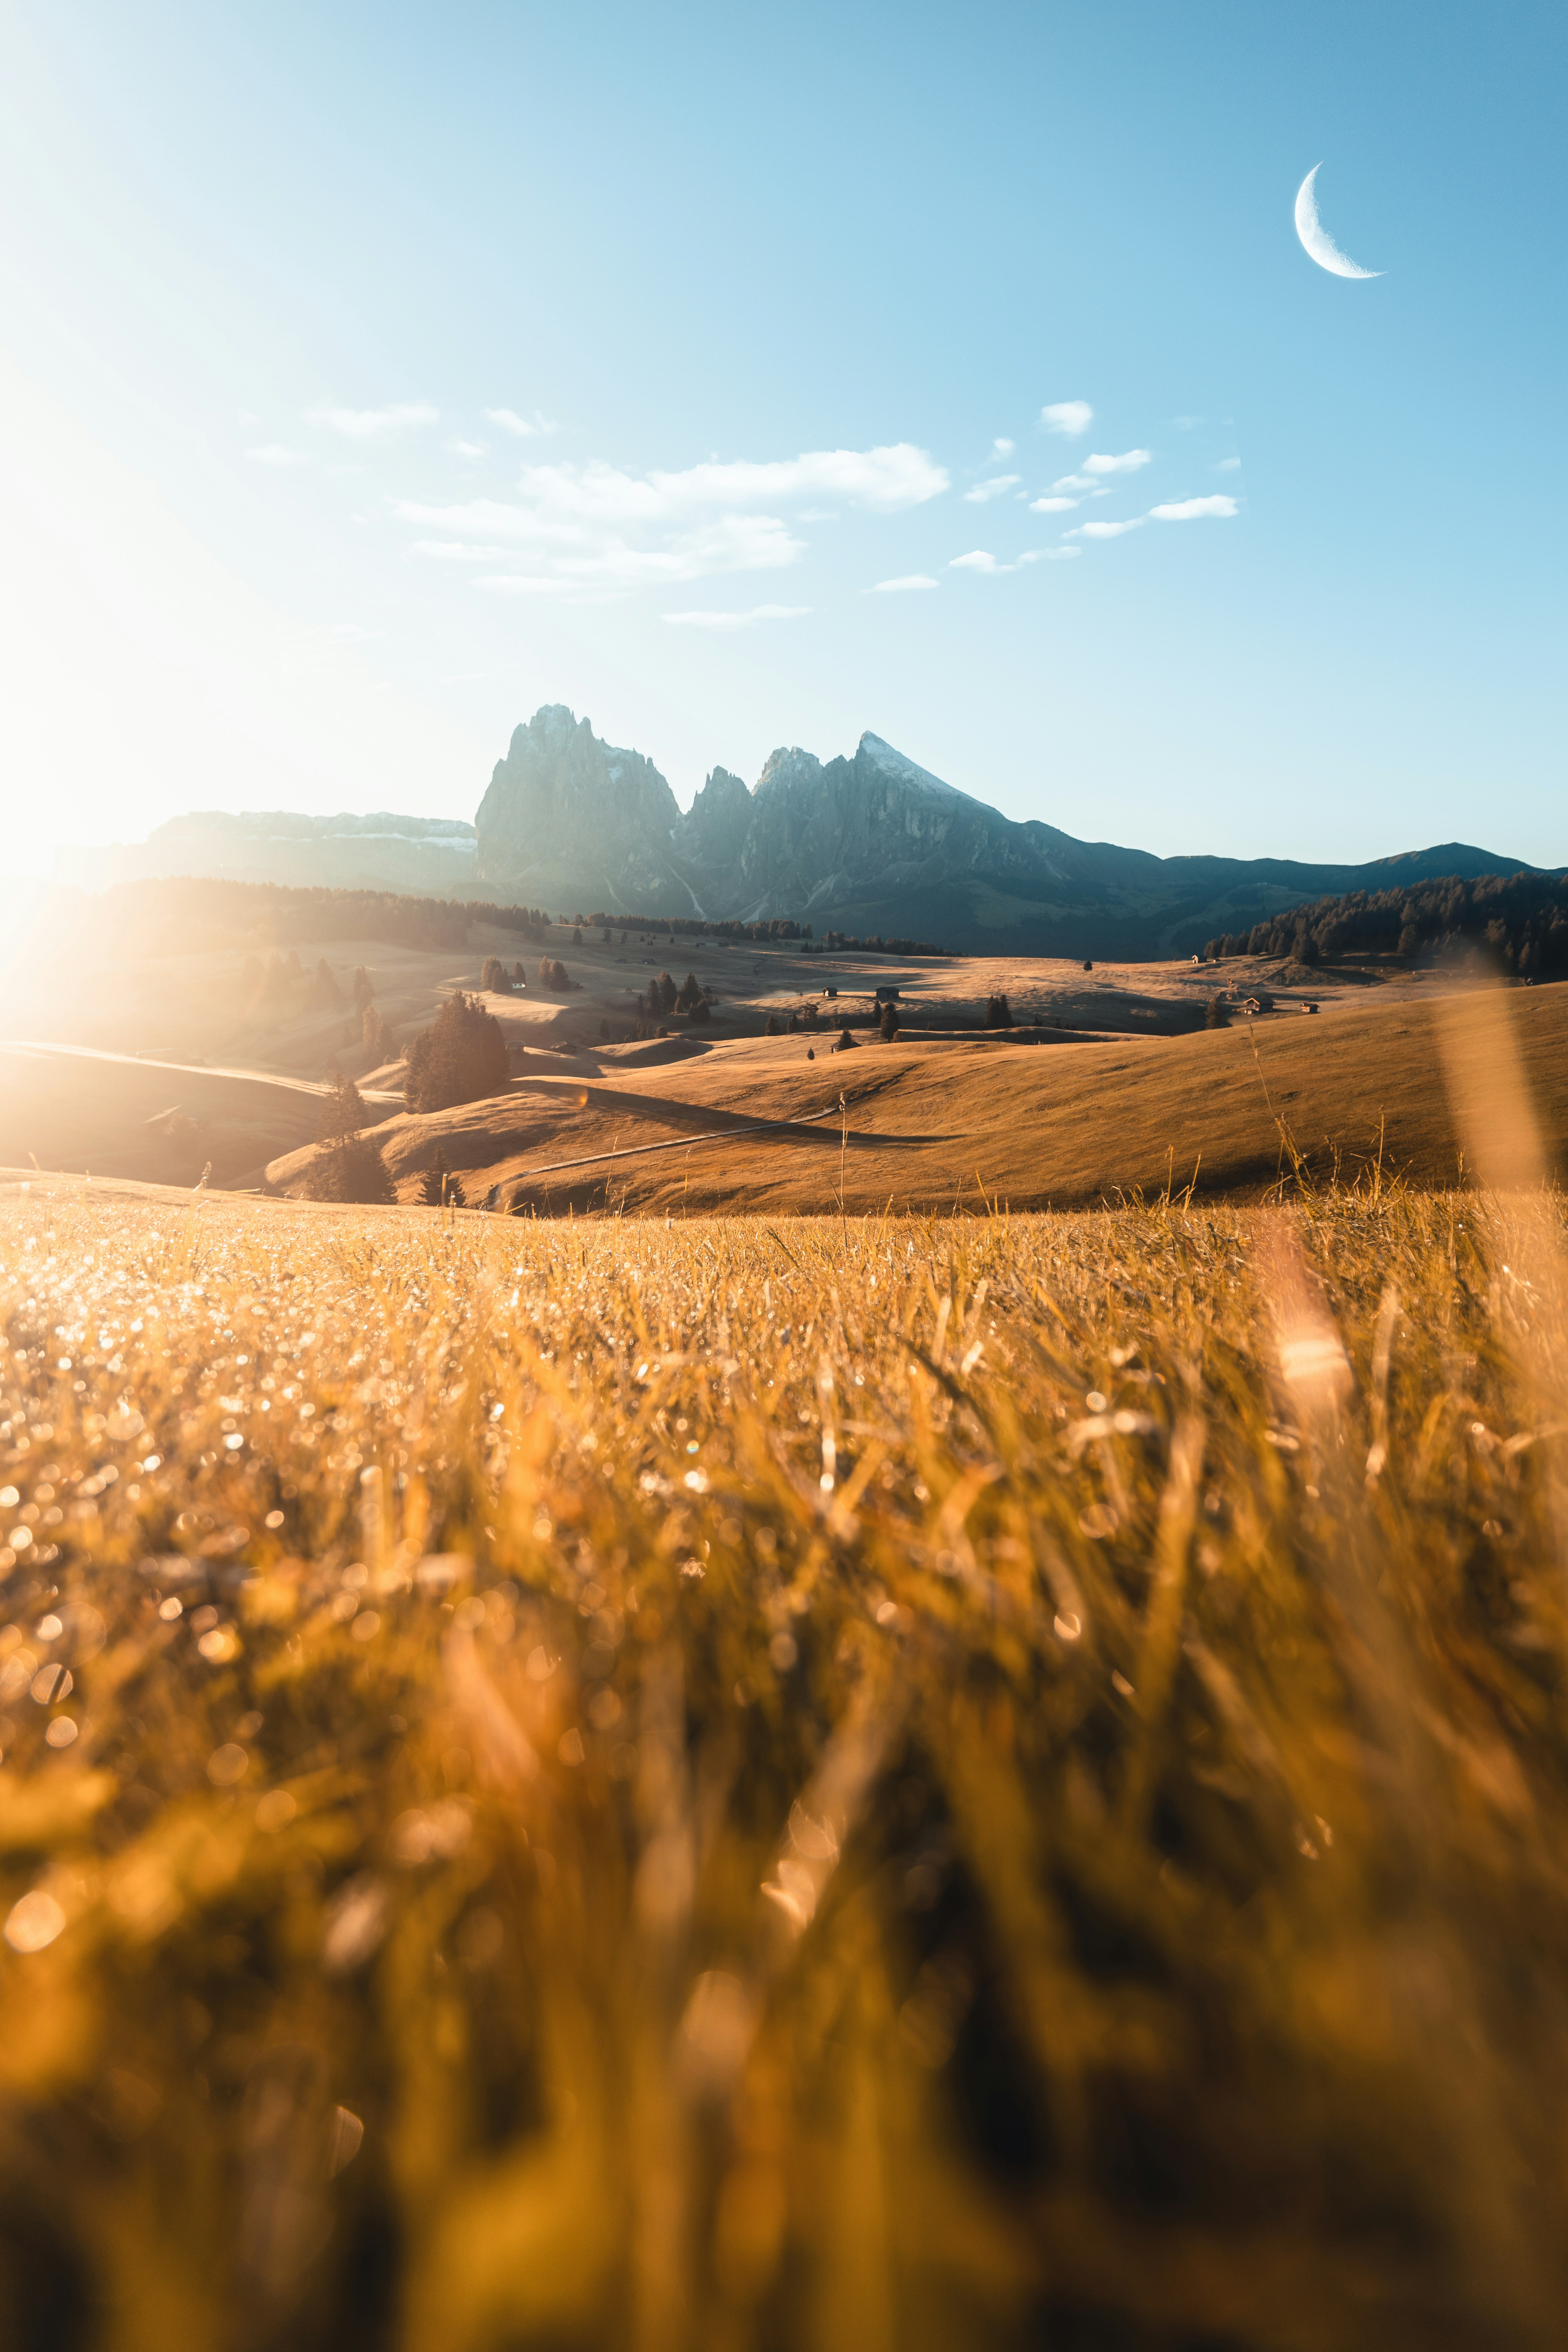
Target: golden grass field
(854,1782)
(971,1121)
(847,1782)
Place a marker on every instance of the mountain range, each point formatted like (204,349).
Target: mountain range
(872,844)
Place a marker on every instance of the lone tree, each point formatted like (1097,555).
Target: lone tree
(1215,1013)
(519,977)
(494,978)
(461,1057)
(363,991)
(438,1187)
(349,1167)
(326,996)
(998,1012)
(690,993)
(887,1026)
(376,1036)
(343,1111)
(552,976)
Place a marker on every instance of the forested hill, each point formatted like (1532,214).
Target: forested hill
(1522,919)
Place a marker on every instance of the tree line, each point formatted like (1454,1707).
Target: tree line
(1520,921)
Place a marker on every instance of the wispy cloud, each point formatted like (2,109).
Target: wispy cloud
(388,424)
(273,453)
(461,448)
(1108,529)
(997,488)
(1131,461)
(1052,506)
(1194,509)
(1229,465)
(1000,448)
(737,620)
(1074,482)
(526,428)
(906,581)
(1069,417)
(596,522)
(978,560)
(458,551)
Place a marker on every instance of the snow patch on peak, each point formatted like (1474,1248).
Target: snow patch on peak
(881,755)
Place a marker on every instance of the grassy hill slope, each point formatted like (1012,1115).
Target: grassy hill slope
(978,1118)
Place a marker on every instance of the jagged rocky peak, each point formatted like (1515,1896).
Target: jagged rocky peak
(563,798)
(717,822)
(785,770)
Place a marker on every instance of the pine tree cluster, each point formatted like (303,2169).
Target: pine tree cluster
(1520,921)
(461,1057)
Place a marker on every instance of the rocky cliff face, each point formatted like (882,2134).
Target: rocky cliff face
(870,844)
(567,813)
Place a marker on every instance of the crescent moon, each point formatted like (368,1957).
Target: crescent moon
(1316,238)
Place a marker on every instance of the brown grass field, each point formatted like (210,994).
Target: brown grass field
(860,1782)
(970,1122)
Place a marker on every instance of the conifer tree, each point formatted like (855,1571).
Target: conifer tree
(461,1057)
(343,1111)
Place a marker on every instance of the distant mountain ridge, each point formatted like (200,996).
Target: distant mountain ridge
(872,844)
(429,856)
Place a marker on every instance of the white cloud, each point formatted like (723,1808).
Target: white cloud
(737,620)
(978,560)
(527,428)
(1229,465)
(1000,448)
(1052,506)
(984,492)
(374,424)
(596,522)
(461,448)
(1131,461)
(1108,529)
(1074,482)
(1194,509)
(1070,417)
(515,584)
(906,581)
(272,453)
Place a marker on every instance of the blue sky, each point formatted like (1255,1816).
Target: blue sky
(370,375)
